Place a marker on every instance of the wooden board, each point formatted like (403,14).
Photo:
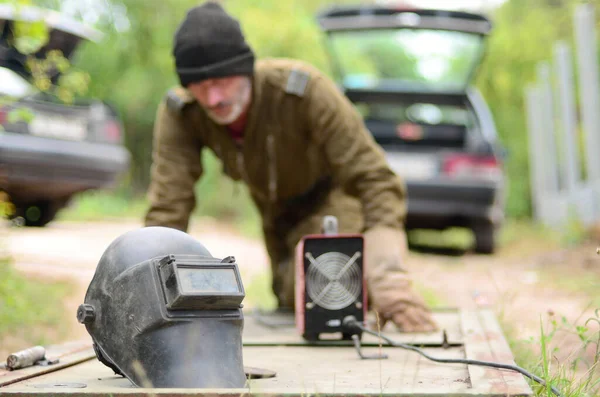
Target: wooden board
(265,330)
(326,369)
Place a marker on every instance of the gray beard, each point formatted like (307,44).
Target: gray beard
(236,108)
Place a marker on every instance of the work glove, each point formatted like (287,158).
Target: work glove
(390,288)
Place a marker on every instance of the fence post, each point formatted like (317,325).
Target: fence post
(589,85)
(587,54)
(548,140)
(537,151)
(566,97)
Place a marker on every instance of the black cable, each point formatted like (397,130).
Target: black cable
(352,325)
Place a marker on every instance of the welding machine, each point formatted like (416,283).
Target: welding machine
(330,282)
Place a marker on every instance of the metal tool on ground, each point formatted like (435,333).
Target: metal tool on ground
(330,282)
(26,358)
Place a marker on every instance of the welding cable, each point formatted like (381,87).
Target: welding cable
(353,326)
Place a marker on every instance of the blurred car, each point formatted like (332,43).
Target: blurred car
(65,148)
(409,72)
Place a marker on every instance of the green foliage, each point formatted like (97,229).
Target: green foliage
(6,207)
(30,37)
(431,296)
(574,231)
(524,35)
(259,294)
(133,70)
(577,373)
(98,205)
(225,199)
(30,307)
(20,114)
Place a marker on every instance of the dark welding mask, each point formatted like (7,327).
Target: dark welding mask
(164,313)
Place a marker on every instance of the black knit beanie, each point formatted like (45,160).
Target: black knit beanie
(209,43)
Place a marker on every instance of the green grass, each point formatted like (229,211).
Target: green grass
(516,237)
(259,293)
(431,297)
(31,309)
(517,231)
(104,205)
(574,376)
(453,238)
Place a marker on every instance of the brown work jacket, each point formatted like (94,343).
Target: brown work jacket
(303,140)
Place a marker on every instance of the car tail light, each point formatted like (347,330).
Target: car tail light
(466,166)
(401,6)
(112,131)
(3,116)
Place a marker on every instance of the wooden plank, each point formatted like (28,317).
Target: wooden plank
(323,370)
(502,353)
(477,348)
(340,370)
(488,344)
(300,371)
(282,331)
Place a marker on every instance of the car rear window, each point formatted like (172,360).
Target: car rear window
(409,59)
(417,124)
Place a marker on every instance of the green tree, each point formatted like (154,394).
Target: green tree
(49,70)
(524,34)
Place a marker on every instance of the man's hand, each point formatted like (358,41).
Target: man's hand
(394,299)
(388,283)
(412,319)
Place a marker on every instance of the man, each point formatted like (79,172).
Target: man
(285,130)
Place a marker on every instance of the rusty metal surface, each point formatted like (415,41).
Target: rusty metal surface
(325,370)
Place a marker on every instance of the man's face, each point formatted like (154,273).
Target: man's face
(225,98)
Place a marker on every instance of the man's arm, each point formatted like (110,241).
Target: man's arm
(176,167)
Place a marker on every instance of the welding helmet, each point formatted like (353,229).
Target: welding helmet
(164,313)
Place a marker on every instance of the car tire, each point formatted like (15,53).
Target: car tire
(485,239)
(38,214)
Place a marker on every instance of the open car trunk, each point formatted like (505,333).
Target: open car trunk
(409,73)
(404,50)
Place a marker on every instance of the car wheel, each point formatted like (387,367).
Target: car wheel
(485,239)
(38,214)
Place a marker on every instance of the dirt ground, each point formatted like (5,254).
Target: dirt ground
(524,282)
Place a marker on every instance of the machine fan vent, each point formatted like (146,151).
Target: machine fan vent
(333,280)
